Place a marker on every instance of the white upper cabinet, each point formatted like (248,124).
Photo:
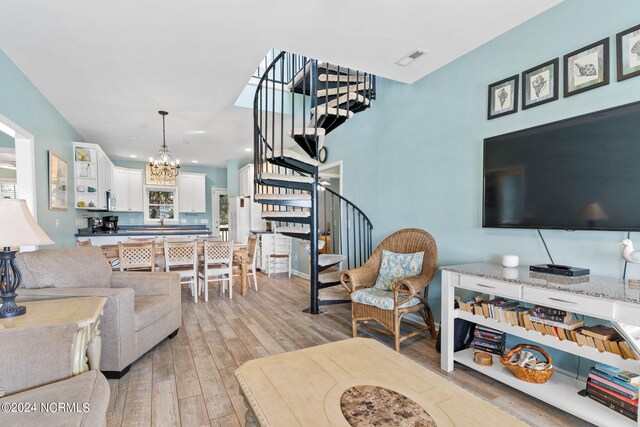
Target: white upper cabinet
(245,181)
(93,176)
(127,193)
(192,192)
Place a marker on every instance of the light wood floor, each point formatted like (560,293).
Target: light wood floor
(189,380)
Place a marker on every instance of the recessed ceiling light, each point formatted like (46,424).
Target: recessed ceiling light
(194,161)
(196,132)
(133,156)
(412,56)
(248,149)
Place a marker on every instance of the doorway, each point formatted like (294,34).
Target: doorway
(220,213)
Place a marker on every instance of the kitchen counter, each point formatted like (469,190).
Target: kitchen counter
(105,237)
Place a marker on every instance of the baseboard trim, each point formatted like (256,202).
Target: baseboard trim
(300,274)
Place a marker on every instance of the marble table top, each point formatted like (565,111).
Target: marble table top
(595,286)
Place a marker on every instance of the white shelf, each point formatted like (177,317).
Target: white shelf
(560,391)
(551,341)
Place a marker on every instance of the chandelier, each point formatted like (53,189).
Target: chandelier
(163,164)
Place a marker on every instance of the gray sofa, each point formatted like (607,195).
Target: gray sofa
(141,310)
(39,367)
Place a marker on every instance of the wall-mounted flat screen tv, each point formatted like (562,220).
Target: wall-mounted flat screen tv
(581,173)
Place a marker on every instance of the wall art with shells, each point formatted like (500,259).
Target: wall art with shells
(503,97)
(628,53)
(586,68)
(540,84)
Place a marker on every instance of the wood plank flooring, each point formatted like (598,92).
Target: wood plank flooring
(189,380)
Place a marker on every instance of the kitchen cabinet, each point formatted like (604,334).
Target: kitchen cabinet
(192,192)
(245,181)
(92,176)
(127,190)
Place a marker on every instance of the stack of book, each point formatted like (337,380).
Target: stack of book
(489,340)
(552,321)
(614,388)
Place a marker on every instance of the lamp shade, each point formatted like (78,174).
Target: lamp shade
(593,212)
(17,226)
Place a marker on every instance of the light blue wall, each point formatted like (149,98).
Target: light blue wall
(415,158)
(216,178)
(6,141)
(22,102)
(233,166)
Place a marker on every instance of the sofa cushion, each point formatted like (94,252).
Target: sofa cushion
(379,298)
(150,308)
(87,396)
(395,267)
(83,267)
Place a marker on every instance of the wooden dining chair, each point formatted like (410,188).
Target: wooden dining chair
(218,262)
(137,256)
(182,257)
(252,249)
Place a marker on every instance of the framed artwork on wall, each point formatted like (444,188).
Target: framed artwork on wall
(503,97)
(58,183)
(540,84)
(586,68)
(628,53)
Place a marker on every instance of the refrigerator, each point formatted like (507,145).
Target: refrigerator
(244,215)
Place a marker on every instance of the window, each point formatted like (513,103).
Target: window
(161,204)
(9,190)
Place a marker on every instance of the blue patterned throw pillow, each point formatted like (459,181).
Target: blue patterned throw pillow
(395,267)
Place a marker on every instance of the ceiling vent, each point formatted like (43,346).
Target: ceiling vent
(412,56)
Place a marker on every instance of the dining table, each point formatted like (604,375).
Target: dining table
(240,257)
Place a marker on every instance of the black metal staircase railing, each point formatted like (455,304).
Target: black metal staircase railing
(298,101)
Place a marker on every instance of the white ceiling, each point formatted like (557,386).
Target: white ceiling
(108,67)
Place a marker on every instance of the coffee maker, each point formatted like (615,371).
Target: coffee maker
(94,223)
(110,223)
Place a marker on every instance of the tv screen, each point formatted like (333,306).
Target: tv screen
(581,173)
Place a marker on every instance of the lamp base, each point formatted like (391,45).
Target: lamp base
(9,307)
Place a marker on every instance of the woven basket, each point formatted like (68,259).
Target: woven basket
(524,373)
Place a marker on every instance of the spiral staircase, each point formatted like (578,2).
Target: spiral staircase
(298,101)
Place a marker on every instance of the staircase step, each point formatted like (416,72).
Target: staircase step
(286,214)
(300,84)
(356,102)
(286,177)
(328,277)
(310,139)
(362,87)
(341,78)
(330,259)
(299,200)
(321,110)
(302,230)
(293,160)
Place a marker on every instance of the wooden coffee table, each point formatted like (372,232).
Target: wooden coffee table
(83,311)
(306,388)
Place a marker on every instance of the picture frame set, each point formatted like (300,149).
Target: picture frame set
(58,183)
(583,69)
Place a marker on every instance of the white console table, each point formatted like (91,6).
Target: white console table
(600,297)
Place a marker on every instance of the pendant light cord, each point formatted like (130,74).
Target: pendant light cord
(545,247)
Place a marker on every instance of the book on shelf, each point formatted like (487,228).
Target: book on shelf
(553,314)
(603,399)
(619,398)
(571,324)
(631,335)
(621,374)
(600,332)
(604,376)
(612,386)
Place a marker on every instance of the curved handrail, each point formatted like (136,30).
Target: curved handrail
(349,202)
(255,101)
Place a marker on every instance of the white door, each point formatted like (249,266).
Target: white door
(220,213)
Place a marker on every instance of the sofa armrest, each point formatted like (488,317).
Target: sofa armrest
(37,355)
(147,283)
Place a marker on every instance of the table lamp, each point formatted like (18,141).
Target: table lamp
(17,228)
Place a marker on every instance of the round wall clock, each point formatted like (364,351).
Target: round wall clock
(322,155)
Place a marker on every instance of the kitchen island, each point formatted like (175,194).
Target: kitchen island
(122,234)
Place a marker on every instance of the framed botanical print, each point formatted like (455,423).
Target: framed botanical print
(58,183)
(540,84)
(628,53)
(503,97)
(586,68)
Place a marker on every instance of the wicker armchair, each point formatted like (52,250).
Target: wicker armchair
(404,292)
